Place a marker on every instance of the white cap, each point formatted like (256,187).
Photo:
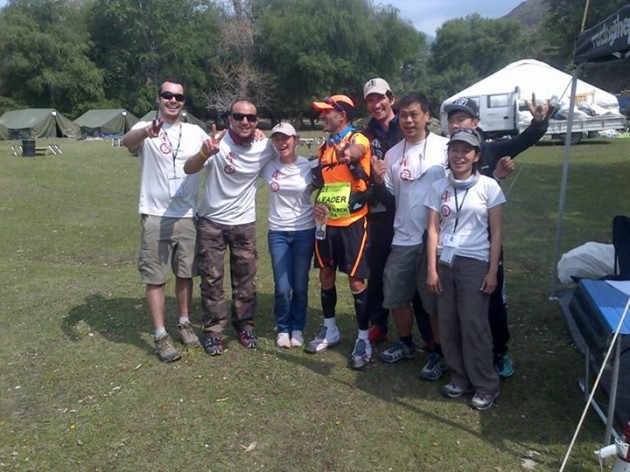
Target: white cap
(377,85)
(284,128)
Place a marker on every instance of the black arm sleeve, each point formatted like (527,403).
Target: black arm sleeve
(383,195)
(513,147)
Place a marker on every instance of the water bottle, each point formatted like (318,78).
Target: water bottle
(320,231)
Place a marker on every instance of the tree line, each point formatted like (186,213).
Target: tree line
(75,55)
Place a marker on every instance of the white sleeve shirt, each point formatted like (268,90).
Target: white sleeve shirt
(229,195)
(290,187)
(162,159)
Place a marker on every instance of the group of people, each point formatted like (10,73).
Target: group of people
(412,218)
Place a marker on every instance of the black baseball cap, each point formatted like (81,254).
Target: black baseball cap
(464,104)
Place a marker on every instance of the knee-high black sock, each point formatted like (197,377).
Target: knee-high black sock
(329,301)
(360,308)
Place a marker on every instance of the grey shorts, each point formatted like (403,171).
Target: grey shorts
(406,272)
(167,242)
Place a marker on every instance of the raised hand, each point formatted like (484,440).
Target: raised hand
(540,111)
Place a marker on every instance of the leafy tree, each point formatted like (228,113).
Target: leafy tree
(138,43)
(467,49)
(44,47)
(318,47)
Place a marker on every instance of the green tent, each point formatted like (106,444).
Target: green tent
(106,123)
(186,118)
(37,123)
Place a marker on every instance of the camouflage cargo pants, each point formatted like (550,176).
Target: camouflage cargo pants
(214,239)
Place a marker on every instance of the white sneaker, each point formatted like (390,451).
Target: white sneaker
(361,354)
(283,340)
(297,339)
(326,338)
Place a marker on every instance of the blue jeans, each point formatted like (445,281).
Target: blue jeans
(291,253)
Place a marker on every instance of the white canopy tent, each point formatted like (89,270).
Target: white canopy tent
(532,76)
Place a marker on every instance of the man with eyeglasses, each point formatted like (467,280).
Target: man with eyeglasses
(496,161)
(227,219)
(408,171)
(167,207)
(344,160)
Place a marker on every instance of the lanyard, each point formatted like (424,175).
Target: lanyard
(405,171)
(179,141)
(458,207)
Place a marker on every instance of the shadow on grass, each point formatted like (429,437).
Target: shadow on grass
(127,320)
(399,386)
(120,320)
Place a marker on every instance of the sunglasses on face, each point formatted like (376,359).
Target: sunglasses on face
(334,104)
(169,95)
(251,117)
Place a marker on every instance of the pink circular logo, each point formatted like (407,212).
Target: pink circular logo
(274,186)
(445,210)
(229,169)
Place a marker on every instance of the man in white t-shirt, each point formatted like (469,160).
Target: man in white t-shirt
(408,171)
(227,218)
(167,208)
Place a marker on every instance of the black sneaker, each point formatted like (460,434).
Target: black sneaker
(247,338)
(213,345)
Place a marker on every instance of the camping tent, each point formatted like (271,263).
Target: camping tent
(187,117)
(532,76)
(100,123)
(37,123)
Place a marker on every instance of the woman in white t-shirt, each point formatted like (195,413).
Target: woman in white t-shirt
(291,234)
(463,210)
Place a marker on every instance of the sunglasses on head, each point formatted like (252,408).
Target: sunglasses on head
(168,95)
(251,117)
(334,104)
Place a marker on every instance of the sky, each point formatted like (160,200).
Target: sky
(428,15)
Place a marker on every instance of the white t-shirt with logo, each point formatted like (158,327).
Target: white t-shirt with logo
(229,194)
(472,217)
(290,189)
(411,170)
(165,190)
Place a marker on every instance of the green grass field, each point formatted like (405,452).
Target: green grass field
(82,389)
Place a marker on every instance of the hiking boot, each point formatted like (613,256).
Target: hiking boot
(187,335)
(377,334)
(297,339)
(482,402)
(452,390)
(434,368)
(247,338)
(283,340)
(503,365)
(213,345)
(165,349)
(326,338)
(361,354)
(398,352)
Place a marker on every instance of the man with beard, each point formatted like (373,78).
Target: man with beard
(227,219)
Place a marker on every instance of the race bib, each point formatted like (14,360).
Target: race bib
(336,197)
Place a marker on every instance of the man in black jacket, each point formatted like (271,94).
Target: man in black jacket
(496,162)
